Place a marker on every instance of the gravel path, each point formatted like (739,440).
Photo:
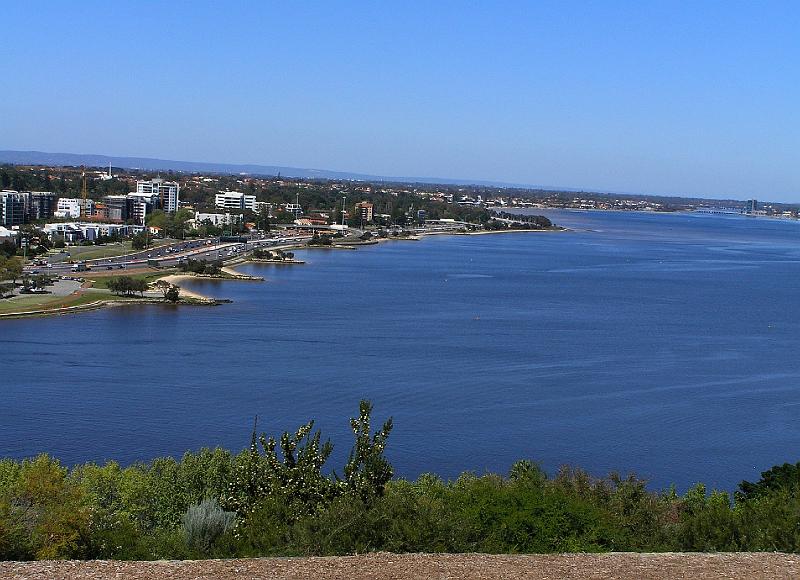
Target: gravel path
(419,566)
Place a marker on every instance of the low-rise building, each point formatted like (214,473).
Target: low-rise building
(293,208)
(216,219)
(235,200)
(79,231)
(6,234)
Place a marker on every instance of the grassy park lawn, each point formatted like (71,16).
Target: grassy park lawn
(102,281)
(46,302)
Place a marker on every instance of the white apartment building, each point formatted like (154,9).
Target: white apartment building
(235,200)
(293,208)
(168,192)
(148,198)
(216,219)
(70,207)
(77,231)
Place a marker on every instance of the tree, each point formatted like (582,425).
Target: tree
(140,286)
(156,219)
(178,224)
(786,476)
(42,281)
(8,249)
(367,471)
(10,268)
(171,292)
(139,241)
(290,470)
(263,218)
(127,285)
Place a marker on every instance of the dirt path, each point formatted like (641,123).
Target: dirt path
(419,566)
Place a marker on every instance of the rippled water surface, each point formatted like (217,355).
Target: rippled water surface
(661,344)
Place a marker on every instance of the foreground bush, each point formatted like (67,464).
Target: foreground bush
(204,523)
(277,498)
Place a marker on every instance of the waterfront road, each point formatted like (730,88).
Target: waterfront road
(170,255)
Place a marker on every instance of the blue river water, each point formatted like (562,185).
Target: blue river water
(665,345)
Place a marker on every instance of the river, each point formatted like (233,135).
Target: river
(666,345)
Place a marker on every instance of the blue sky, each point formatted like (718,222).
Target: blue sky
(696,98)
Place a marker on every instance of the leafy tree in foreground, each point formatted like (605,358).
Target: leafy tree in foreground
(291,469)
(367,471)
(786,476)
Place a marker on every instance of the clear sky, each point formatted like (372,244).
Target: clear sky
(628,96)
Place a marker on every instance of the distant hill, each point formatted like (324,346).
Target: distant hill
(152,164)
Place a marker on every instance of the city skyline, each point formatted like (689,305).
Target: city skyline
(631,98)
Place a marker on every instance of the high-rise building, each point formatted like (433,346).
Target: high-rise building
(751,206)
(141,204)
(13,208)
(365,209)
(116,207)
(70,207)
(137,210)
(168,192)
(41,204)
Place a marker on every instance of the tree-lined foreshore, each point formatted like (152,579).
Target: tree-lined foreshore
(279,497)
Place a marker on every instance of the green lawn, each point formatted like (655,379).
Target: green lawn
(46,302)
(102,281)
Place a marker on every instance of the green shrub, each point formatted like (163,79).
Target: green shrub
(204,523)
(289,504)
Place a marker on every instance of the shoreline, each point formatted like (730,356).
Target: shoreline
(193,298)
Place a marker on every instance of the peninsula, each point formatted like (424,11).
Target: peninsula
(73,240)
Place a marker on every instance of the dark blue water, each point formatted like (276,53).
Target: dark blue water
(661,344)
